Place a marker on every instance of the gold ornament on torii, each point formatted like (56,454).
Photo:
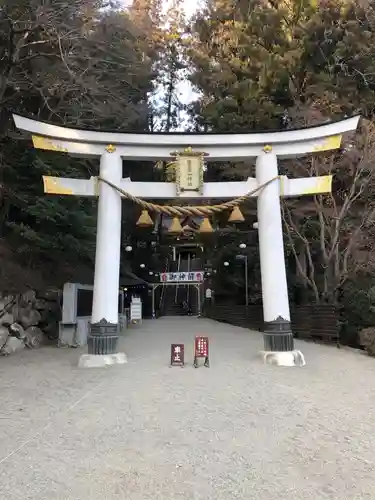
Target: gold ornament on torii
(110,148)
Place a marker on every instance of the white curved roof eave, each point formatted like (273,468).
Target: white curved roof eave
(181,140)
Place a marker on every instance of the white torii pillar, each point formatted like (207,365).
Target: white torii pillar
(278,336)
(103,338)
(113,147)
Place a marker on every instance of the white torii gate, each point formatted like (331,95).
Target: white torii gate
(113,147)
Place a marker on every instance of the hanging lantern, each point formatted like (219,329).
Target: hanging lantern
(145,219)
(205,227)
(236,215)
(175,227)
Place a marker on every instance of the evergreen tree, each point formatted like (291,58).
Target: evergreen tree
(237,68)
(257,64)
(73,63)
(272,65)
(170,69)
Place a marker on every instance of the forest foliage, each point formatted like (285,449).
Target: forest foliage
(253,65)
(276,65)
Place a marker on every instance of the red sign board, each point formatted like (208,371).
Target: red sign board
(177,355)
(201,351)
(201,347)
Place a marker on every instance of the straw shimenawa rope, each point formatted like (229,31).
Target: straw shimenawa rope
(178,211)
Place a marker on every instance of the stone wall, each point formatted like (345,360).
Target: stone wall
(28,320)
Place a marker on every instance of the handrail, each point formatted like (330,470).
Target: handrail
(162,293)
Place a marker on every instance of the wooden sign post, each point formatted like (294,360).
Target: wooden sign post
(177,355)
(201,351)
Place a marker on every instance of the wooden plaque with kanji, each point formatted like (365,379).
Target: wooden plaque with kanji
(177,355)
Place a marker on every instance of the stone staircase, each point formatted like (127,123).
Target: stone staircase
(173,300)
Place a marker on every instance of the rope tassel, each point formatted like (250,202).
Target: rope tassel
(175,227)
(145,219)
(205,227)
(236,215)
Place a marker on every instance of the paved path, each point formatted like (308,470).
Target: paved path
(238,430)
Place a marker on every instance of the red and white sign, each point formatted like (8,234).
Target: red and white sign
(182,277)
(201,351)
(201,347)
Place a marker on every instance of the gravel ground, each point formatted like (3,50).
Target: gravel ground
(142,431)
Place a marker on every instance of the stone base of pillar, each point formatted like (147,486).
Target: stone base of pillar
(101,360)
(283,358)
(103,338)
(278,336)
(279,344)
